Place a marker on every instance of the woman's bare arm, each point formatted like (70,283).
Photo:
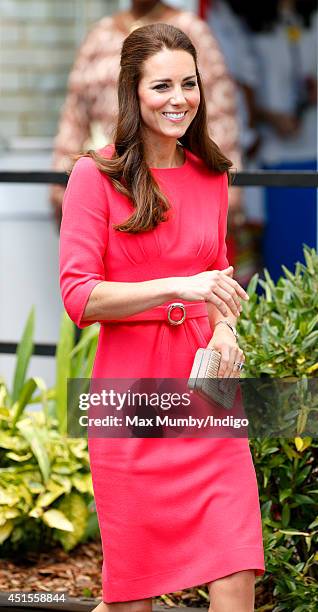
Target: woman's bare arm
(114,300)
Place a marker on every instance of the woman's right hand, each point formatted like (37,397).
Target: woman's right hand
(216,286)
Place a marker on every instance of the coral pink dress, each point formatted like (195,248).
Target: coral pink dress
(173,512)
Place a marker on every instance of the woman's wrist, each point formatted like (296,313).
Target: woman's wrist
(167,288)
(229,325)
(223,332)
(220,335)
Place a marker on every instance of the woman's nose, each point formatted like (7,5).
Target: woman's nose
(178,97)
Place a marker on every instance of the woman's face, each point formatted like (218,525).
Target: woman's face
(169,94)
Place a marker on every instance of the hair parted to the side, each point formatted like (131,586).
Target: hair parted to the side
(127,169)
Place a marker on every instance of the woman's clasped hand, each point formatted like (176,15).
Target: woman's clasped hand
(219,288)
(215,286)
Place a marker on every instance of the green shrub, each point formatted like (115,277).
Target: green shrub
(279,336)
(46,494)
(279,330)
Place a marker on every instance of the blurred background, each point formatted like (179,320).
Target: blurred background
(269,51)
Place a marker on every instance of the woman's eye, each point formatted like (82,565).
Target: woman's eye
(163,86)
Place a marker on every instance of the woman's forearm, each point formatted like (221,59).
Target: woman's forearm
(114,300)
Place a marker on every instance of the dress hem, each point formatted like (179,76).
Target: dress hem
(185,578)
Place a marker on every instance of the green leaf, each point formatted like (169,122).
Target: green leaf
(285,515)
(92,528)
(7,513)
(291,532)
(266,508)
(5,530)
(63,481)
(251,288)
(63,369)
(12,441)
(308,542)
(36,512)
(36,439)
(309,261)
(314,523)
(89,336)
(8,497)
(303,499)
(75,509)
(310,340)
(19,458)
(90,358)
(24,352)
(56,518)
(203,594)
(83,483)
(284,493)
(287,273)
(44,395)
(5,399)
(46,499)
(312,323)
(25,395)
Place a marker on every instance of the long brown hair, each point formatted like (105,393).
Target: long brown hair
(127,168)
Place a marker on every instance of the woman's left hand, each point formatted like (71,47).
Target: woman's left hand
(225,342)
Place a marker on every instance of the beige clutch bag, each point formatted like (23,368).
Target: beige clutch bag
(203,378)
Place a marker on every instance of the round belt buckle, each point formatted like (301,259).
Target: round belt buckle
(170,309)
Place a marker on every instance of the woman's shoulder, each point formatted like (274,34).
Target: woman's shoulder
(106,151)
(85,167)
(199,165)
(87,164)
(194,160)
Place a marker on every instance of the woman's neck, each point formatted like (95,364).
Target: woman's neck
(164,156)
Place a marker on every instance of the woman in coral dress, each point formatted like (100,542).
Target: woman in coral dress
(143,227)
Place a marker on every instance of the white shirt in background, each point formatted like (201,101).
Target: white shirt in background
(235,42)
(280,64)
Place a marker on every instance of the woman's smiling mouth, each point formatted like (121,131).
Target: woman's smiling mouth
(175,117)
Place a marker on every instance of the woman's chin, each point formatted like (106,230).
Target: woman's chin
(175,131)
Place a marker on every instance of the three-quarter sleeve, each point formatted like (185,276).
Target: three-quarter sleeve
(83,238)
(221,260)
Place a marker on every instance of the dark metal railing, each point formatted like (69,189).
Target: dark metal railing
(259,178)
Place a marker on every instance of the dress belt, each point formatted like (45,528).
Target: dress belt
(169,313)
